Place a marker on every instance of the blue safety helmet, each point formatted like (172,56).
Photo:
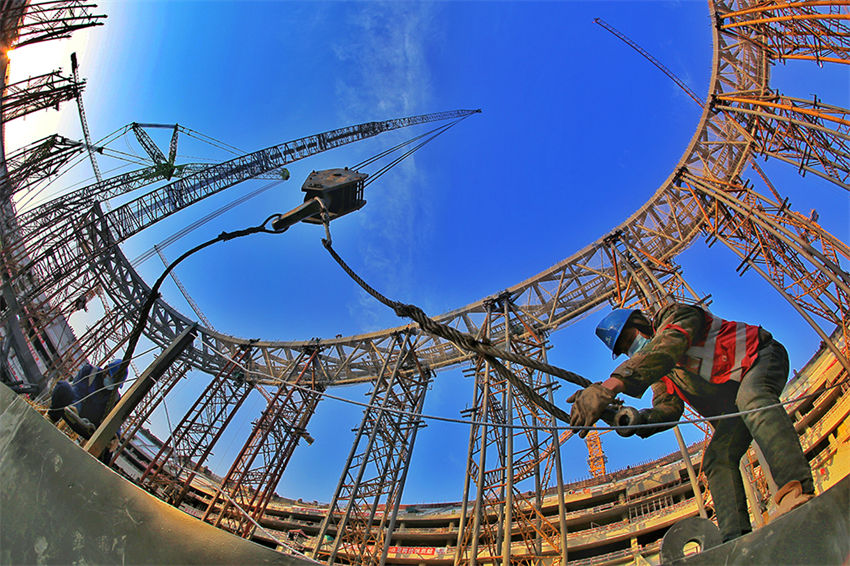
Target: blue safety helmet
(112,379)
(610,327)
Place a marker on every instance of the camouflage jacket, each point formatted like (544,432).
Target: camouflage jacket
(659,364)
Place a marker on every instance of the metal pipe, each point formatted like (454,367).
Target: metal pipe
(562,504)
(482,461)
(369,443)
(509,451)
(751,494)
(464,501)
(406,467)
(765,469)
(692,476)
(840,279)
(329,517)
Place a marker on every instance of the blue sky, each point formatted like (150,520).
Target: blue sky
(577,131)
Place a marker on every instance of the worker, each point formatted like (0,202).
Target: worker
(687,354)
(86,399)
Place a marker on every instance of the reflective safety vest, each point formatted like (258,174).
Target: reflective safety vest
(725,353)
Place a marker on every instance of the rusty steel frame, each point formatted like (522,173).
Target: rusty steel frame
(148,405)
(250,483)
(510,465)
(171,471)
(664,226)
(39,161)
(791,251)
(813,30)
(38,93)
(34,22)
(809,134)
(369,491)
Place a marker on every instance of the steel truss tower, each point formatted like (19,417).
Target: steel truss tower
(248,487)
(37,93)
(27,23)
(38,161)
(146,407)
(60,255)
(171,471)
(510,465)
(363,511)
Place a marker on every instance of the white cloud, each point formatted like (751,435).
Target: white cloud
(388,77)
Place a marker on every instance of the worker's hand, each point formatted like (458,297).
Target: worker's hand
(588,405)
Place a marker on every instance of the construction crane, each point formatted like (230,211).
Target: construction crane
(165,167)
(78,94)
(651,59)
(183,290)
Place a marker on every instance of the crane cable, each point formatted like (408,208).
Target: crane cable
(150,252)
(435,132)
(386,152)
(486,350)
(469,343)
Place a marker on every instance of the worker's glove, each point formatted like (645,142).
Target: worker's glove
(588,406)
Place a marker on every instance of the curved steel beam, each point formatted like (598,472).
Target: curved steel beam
(663,227)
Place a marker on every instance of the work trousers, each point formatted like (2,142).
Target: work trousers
(772,429)
(91,406)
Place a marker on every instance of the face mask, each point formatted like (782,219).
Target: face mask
(109,382)
(639,342)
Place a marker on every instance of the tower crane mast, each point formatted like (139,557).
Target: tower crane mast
(78,93)
(165,164)
(185,293)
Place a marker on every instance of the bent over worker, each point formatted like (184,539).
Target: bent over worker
(687,354)
(89,395)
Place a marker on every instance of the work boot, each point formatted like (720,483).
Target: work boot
(789,497)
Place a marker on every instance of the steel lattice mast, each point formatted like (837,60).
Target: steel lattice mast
(250,483)
(508,469)
(25,23)
(38,93)
(364,507)
(195,436)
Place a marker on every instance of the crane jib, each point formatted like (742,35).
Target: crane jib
(148,209)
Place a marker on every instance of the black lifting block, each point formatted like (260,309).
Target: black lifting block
(340,189)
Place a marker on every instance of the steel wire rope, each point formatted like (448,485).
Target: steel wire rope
(109,138)
(146,255)
(128,157)
(406,154)
(386,152)
(49,182)
(210,140)
(282,382)
(70,188)
(489,352)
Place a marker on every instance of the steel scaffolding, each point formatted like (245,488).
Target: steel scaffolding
(363,511)
(172,469)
